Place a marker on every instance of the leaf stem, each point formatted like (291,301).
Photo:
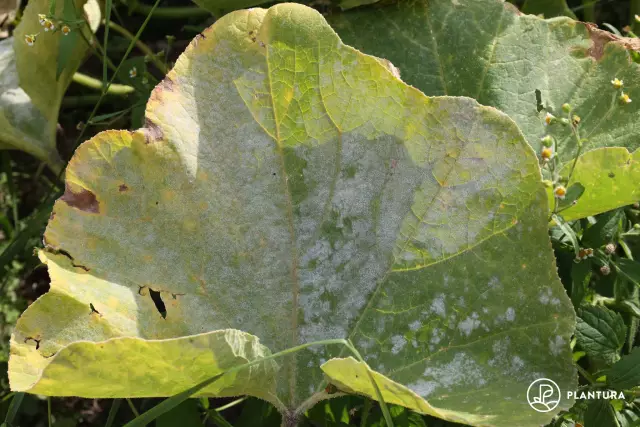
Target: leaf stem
(144,48)
(93,83)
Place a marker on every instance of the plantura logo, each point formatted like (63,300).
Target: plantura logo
(543,395)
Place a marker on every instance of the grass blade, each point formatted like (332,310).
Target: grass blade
(115,406)
(13,409)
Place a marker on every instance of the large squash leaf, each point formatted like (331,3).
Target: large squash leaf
(30,93)
(294,188)
(486,50)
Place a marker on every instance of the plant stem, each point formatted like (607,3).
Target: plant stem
(93,83)
(140,45)
(173,12)
(585,374)
(133,407)
(231,404)
(49,410)
(365,412)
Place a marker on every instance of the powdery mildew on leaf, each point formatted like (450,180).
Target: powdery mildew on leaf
(291,187)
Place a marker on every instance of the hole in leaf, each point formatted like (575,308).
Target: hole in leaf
(157,300)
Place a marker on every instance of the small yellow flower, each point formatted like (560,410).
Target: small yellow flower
(41,18)
(48,25)
(617,83)
(65,29)
(637,17)
(560,191)
(546,154)
(624,98)
(576,120)
(548,119)
(133,72)
(30,39)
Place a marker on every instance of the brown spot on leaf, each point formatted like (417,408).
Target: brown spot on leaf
(83,200)
(600,38)
(152,132)
(123,187)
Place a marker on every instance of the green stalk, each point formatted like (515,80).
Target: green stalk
(93,83)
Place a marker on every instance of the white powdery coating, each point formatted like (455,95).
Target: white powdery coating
(437,306)
(415,325)
(468,325)
(423,388)
(556,346)
(462,371)
(511,314)
(398,342)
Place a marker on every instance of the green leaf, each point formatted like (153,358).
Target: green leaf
(187,414)
(487,50)
(625,374)
(600,332)
(574,192)
(580,276)
(605,230)
(629,268)
(610,177)
(600,413)
(292,187)
(548,8)
(30,93)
